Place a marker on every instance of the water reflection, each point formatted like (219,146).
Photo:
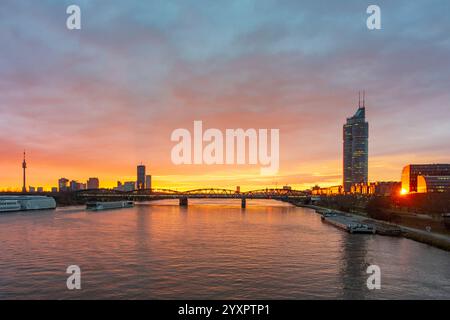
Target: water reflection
(354,265)
(211,249)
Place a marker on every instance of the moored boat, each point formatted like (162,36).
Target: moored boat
(9,205)
(97,206)
(25,203)
(348,224)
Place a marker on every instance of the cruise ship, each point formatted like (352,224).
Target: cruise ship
(25,203)
(97,206)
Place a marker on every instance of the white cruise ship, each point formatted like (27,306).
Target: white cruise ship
(97,206)
(24,203)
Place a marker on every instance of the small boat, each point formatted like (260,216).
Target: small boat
(97,206)
(323,211)
(361,228)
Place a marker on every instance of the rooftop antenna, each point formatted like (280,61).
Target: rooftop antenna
(359,99)
(364,99)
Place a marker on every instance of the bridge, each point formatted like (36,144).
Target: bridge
(183,196)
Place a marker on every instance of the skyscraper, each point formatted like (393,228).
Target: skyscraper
(140,182)
(356,147)
(148,182)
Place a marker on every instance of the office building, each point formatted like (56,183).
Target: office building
(63,184)
(93,183)
(412,171)
(356,148)
(140,182)
(148,182)
(428,184)
(129,186)
(75,185)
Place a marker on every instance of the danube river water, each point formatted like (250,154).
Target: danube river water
(211,250)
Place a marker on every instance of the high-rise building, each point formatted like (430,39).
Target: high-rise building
(356,148)
(93,183)
(412,171)
(140,182)
(148,182)
(62,184)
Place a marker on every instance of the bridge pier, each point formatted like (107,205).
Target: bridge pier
(183,201)
(243,202)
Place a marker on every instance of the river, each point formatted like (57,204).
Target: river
(212,249)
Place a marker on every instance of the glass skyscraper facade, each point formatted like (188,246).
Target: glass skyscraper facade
(356,149)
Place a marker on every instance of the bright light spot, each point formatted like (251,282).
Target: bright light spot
(403,191)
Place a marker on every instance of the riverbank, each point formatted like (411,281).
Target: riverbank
(440,241)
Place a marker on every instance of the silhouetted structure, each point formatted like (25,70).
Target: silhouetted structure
(356,148)
(24,167)
(148,182)
(140,182)
(62,184)
(93,183)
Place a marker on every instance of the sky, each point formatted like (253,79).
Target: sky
(98,101)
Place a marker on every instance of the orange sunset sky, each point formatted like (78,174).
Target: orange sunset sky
(98,101)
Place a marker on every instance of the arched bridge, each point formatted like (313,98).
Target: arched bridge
(204,193)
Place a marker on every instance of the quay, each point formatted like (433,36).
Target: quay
(384,228)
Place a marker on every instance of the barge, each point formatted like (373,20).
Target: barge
(97,206)
(347,224)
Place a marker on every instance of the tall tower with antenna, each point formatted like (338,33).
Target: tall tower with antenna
(356,147)
(24,167)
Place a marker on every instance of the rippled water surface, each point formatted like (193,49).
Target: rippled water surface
(213,249)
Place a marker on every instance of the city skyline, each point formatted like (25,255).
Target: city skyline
(99,101)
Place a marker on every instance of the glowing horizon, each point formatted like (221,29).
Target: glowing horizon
(98,101)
